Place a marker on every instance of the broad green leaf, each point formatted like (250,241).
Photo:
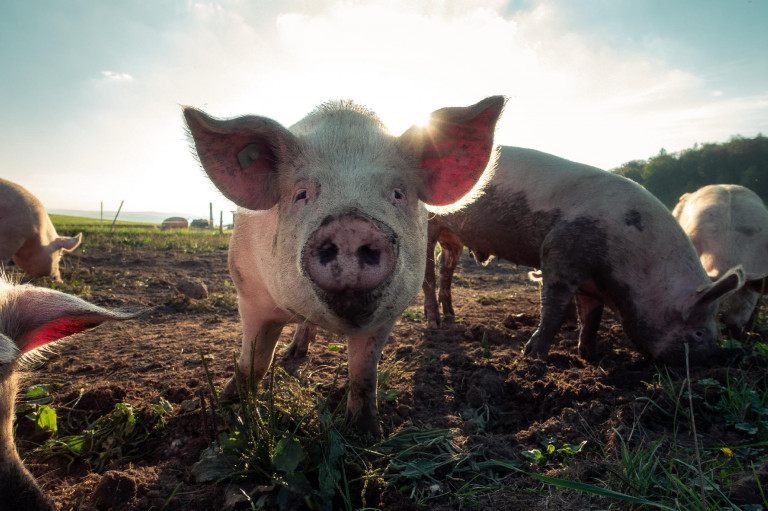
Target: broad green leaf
(571,449)
(37,391)
(46,419)
(212,466)
(288,454)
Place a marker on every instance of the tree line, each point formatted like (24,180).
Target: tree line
(741,161)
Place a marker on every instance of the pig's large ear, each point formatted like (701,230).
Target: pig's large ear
(68,244)
(731,281)
(35,316)
(454,149)
(241,155)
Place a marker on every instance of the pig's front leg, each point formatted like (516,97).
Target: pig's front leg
(260,337)
(364,355)
(555,300)
(590,312)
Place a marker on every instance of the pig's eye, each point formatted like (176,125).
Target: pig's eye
(301,195)
(699,334)
(397,195)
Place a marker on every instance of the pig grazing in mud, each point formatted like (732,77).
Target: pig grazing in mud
(27,234)
(31,317)
(331,228)
(728,225)
(597,236)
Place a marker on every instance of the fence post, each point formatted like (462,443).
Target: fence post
(116,215)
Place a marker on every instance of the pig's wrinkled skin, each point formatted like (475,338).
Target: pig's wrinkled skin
(596,236)
(331,228)
(728,225)
(27,234)
(31,317)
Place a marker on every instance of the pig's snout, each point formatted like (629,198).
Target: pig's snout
(348,258)
(349,253)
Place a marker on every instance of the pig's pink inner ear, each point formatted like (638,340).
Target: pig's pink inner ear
(57,329)
(42,315)
(240,155)
(456,147)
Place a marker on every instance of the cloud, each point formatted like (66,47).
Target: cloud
(571,93)
(117,77)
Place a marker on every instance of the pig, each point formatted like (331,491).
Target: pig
(596,236)
(728,225)
(27,234)
(31,317)
(331,227)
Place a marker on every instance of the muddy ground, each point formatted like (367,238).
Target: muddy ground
(446,376)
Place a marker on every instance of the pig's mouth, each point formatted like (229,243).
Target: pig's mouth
(354,306)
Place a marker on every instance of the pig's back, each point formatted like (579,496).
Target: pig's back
(728,225)
(19,212)
(532,191)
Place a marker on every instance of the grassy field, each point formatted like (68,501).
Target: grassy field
(81,221)
(692,438)
(133,234)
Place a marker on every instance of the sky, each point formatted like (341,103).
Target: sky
(90,92)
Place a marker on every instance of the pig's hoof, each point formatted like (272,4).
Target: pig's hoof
(230,392)
(535,352)
(588,354)
(369,429)
(366,425)
(295,351)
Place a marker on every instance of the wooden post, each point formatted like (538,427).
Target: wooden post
(101,218)
(210,206)
(221,222)
(116,214)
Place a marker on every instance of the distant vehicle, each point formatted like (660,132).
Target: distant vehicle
(201,223)
(175,222)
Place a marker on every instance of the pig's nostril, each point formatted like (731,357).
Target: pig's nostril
(327,252)
(368,256)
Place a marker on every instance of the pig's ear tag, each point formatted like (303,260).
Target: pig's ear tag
(248,155)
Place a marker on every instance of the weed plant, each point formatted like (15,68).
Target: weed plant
(671,470)
(116,436)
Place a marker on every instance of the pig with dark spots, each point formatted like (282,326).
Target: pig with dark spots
(331,228)
(27,234)
(728,225)
(596,236)
(31,317)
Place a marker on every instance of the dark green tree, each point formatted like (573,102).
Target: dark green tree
(741,161)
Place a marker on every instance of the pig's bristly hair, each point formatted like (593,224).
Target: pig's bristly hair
(8,351)
(347,105)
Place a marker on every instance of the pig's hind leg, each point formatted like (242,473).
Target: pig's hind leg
(450,253)
(304,336)
(431,309)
